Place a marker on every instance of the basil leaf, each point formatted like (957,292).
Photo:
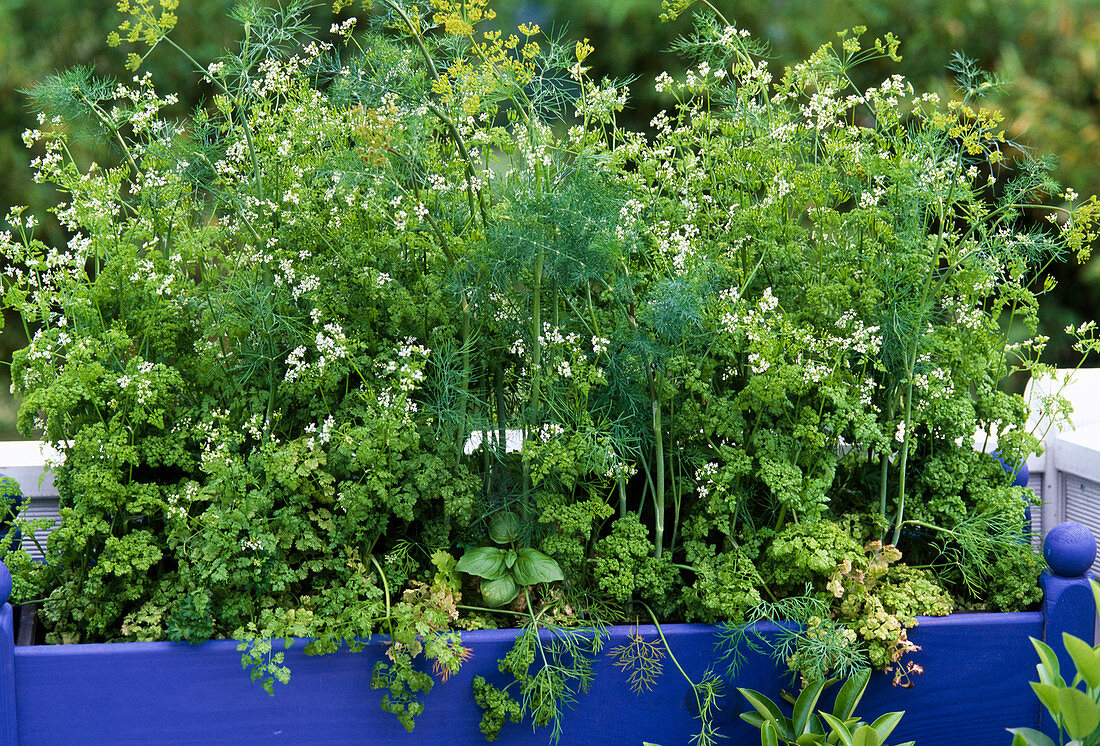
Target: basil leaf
(499,592)
(485,562)
(532,566)
(504,528)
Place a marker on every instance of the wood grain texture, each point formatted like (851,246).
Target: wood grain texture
(975,685)
(7,673)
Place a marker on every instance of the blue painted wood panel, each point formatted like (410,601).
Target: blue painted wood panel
(975,684)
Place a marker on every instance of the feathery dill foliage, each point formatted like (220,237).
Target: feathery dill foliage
(401,332)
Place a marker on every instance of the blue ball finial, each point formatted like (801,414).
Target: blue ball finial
(5,583)
(1069,549)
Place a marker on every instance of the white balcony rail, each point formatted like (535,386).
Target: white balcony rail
(26,461)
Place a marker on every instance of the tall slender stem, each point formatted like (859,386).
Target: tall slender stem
(884,460)
(904,460)
(659,492)
(460,143)
(536,333)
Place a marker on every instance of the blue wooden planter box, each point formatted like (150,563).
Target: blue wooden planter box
(974,685)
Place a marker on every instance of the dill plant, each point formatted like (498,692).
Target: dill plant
(398,293)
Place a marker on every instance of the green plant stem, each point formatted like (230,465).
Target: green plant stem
(676,465)
(269,415)
(443,244)
(535,627)
(668,648)
(385,583)
(466,367)
(460,143)
(456,136)
(902,467)
(493,611)
(659,493)
(257,177)
(591,307)
(415,30)
(904,461)
(911,362)
(536,334)
(498,401)
(105,120)
(883,477)
(675,662)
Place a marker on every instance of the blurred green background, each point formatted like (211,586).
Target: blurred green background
(1050,50)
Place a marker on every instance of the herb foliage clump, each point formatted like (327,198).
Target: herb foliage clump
(402,333)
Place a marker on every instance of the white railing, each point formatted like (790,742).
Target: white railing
(1066,476)
(25,462)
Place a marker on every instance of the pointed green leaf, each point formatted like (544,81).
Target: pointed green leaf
(1080,714)
(504,528)
(485,562)
(1029,737)
(1095,593)
(768,736)
(885,724)
(805,705)
(1084,657)
(1048,695)
(865,735)
(532,566)
(851,693)
(1049,661)
(754,719)
(769,710)
(499,592)
(849,724)
(815,725)
(840,730)
(810,739)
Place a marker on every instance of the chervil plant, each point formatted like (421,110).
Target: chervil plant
(390,300)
